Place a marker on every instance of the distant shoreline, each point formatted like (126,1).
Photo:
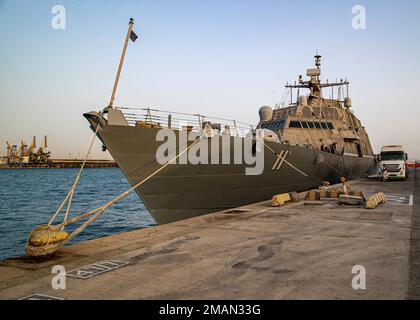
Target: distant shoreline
(63,164)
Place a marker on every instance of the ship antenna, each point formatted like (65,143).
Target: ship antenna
(318,62)
(347,87)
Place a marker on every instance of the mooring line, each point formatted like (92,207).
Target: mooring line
(50,248)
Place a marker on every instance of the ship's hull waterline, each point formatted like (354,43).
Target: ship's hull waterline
(182,191)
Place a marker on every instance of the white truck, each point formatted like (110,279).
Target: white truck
(393,158)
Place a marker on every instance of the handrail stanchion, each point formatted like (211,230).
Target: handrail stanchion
(149,115)
(199,121)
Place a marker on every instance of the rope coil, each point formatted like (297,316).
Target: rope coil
(45,249)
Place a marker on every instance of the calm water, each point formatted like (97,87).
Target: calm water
(29,197)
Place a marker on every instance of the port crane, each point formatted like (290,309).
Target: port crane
(28,155)
(12,154)
(23,152)
(42,155)
(9,149)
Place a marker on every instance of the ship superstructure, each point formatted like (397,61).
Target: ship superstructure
(316,122)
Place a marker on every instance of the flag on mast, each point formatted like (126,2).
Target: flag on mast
(133,36)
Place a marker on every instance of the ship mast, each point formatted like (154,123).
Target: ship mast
(314,83)
(127,37)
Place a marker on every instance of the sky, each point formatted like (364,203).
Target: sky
(218,58)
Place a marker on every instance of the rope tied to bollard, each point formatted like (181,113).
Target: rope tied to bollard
(46,239)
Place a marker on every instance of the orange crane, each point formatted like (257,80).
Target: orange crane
(43,149)
(44,156)
(32,146)
(9,149)
(23,150)
(33,157)
(23,153)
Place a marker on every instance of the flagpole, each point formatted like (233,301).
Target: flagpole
(130,27)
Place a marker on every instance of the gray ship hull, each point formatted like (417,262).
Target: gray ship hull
(182,191)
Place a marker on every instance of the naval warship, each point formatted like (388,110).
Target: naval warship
(307,141)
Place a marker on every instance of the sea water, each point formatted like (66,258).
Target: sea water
(29,197)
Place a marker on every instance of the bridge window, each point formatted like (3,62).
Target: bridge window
(280,125)
(273,125)
(302,124)
(295,124)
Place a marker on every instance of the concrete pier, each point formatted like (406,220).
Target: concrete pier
(255,252)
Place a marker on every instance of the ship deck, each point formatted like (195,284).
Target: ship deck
(255,252)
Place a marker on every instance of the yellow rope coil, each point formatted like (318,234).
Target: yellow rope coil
(44,240)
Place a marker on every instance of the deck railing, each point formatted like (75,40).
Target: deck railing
(180,120)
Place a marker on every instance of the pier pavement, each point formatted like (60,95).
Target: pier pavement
(255,252)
